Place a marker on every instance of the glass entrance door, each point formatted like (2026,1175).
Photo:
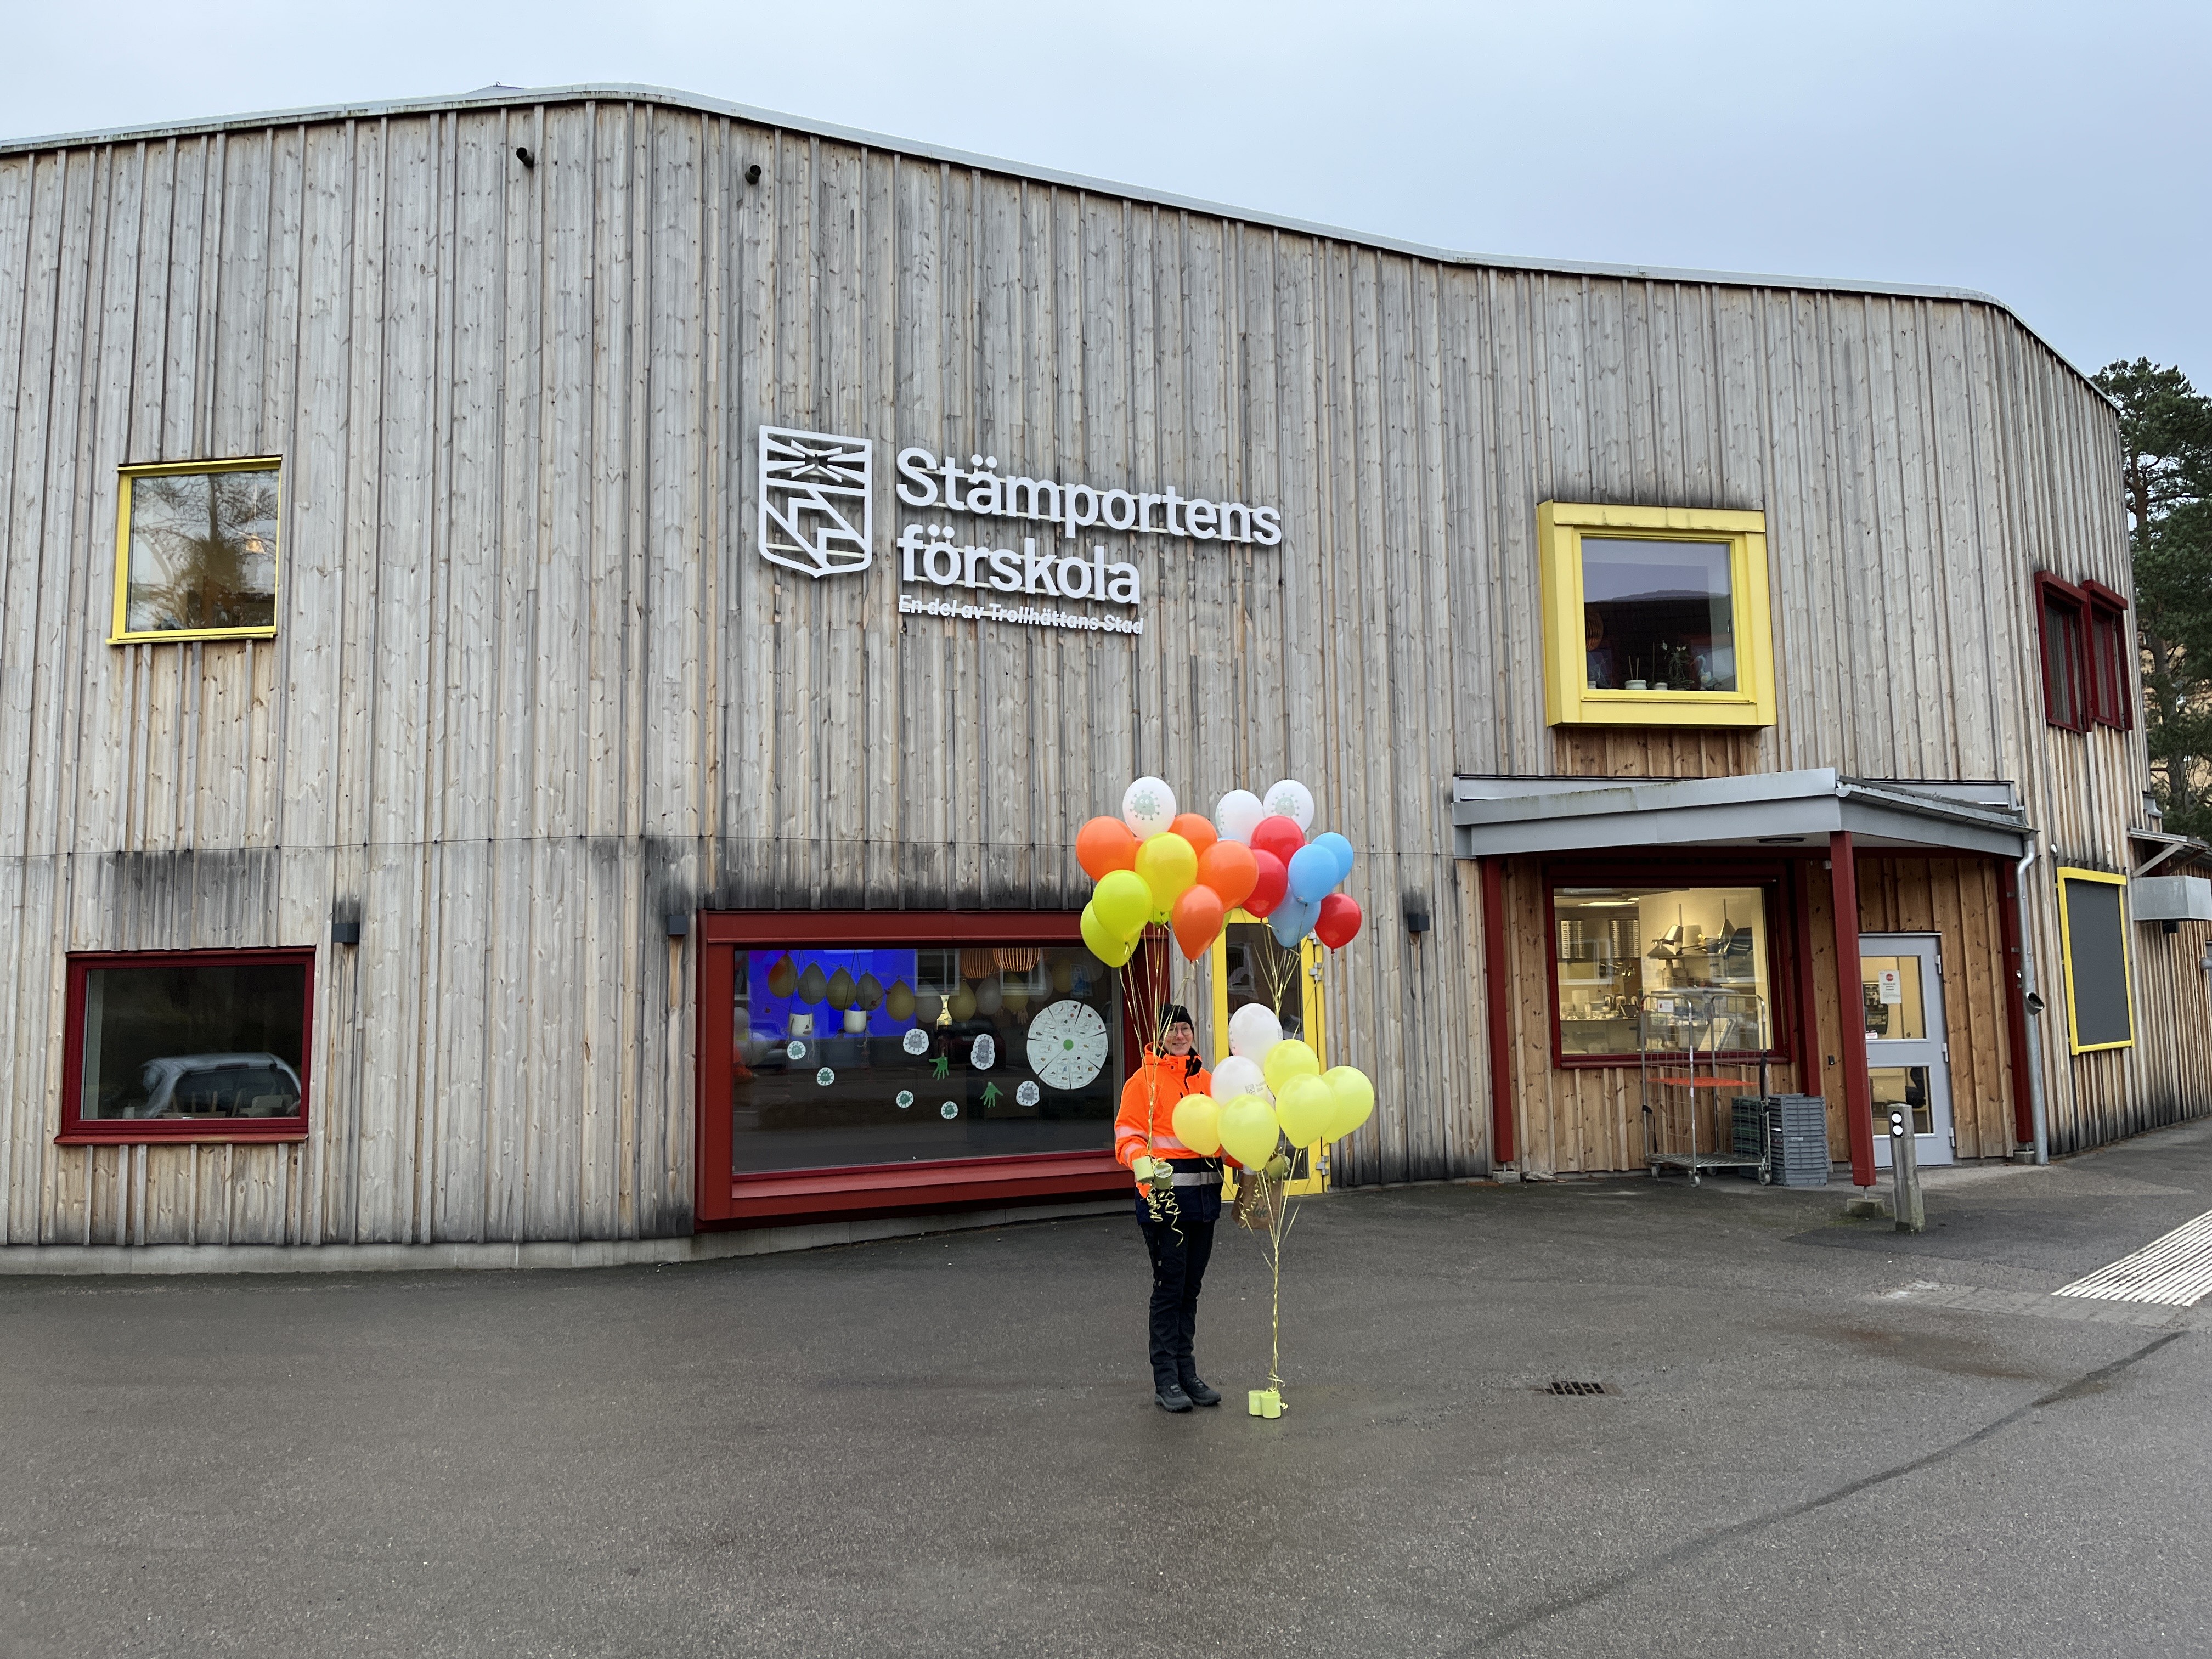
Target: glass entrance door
(1908,1059)
(1248,966)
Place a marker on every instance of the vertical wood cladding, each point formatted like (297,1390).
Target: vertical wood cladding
(532,689)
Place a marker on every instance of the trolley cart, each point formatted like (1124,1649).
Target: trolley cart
(1682,1034)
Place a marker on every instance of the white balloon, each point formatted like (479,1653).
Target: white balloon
(1288,798)
(1238,815)
(1253,1029)
(1237,1075)
(1148,807)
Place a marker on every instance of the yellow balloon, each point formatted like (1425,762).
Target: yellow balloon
(1109,947)
(1169,865)
(1288,1059)
(1198,1123)
(1305,1109)
(1124,903)
(1248,1130)
(899,1004)
(961,1004)
(1354,1096)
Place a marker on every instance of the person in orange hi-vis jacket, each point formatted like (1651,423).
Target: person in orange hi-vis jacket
(1181,1240)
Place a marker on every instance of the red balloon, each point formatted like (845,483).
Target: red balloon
(1196,829)
(1104,846)
(1227,867)
(1281,836)
(1197,916)
(1267,892)
(1338,924)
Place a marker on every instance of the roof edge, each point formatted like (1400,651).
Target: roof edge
(505,97)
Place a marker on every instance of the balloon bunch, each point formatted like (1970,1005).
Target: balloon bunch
(1271,1087)
(1295,893)
(1154,865)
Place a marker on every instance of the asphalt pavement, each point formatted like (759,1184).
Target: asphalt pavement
(1816,1437)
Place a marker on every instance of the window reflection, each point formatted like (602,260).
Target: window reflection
(198,1040)
(202,551)
(895,1053)
(1657,616)
(1905,1087)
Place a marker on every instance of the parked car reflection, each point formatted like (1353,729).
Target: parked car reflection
(217,1086)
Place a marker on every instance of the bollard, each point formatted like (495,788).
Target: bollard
(1905,1165)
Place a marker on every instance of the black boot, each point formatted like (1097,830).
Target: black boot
(1198,1393)
(1171,1398)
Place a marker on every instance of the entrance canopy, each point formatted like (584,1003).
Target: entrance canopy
(1494,816)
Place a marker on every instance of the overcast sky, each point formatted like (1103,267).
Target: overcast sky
(2056,156)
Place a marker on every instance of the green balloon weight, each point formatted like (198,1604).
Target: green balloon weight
(1124,903)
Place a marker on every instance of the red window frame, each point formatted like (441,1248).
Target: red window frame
(725,1199)
(1777,878)
(2056,598)
(2110,702)
(77,1130)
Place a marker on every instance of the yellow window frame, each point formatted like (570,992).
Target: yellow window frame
(1314,1005)
(2106,878)
(119,631)
(1568,698)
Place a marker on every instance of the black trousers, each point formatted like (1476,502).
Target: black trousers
(1180,1250)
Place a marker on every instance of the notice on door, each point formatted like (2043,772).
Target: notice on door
(1891,984)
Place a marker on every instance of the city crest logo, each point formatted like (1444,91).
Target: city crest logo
(816,501)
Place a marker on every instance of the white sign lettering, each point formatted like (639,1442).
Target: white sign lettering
(816,495)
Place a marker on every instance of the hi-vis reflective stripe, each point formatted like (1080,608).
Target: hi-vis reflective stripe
(1198,1178)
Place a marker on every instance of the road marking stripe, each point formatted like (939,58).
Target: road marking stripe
(2175,1269)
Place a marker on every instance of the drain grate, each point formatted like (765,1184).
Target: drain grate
(1574,1387)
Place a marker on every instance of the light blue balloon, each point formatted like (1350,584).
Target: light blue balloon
(1313,872)
(1292,920)
(1340,850)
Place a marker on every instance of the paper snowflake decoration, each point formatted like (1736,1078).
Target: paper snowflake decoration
(985,1054)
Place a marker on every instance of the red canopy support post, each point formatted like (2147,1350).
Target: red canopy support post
(2016,972)
(1494,1002)
(1850,1002)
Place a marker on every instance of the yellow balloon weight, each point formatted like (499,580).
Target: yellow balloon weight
(1354,1096)
(1288,1059)
(1249,1129)
(1124,903)
(1305,1109)
(1198,1123)
(1109,947)
(1169,865)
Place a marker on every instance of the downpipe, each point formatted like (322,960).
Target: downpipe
(2036,1115)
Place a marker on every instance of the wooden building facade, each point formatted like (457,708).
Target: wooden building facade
(530,739)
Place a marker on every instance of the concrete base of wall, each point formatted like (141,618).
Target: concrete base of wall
(75,1259)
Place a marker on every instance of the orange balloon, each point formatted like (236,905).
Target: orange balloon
(1198,917)
(1104,846)
(1198,829)
(1227,867)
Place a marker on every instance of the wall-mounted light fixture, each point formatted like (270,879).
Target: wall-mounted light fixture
(1417,916)
(345,932)
(679,925)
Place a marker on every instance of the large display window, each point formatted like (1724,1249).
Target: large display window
(871,1059)
(1619,938)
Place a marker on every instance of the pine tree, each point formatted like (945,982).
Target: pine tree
(2166,467)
